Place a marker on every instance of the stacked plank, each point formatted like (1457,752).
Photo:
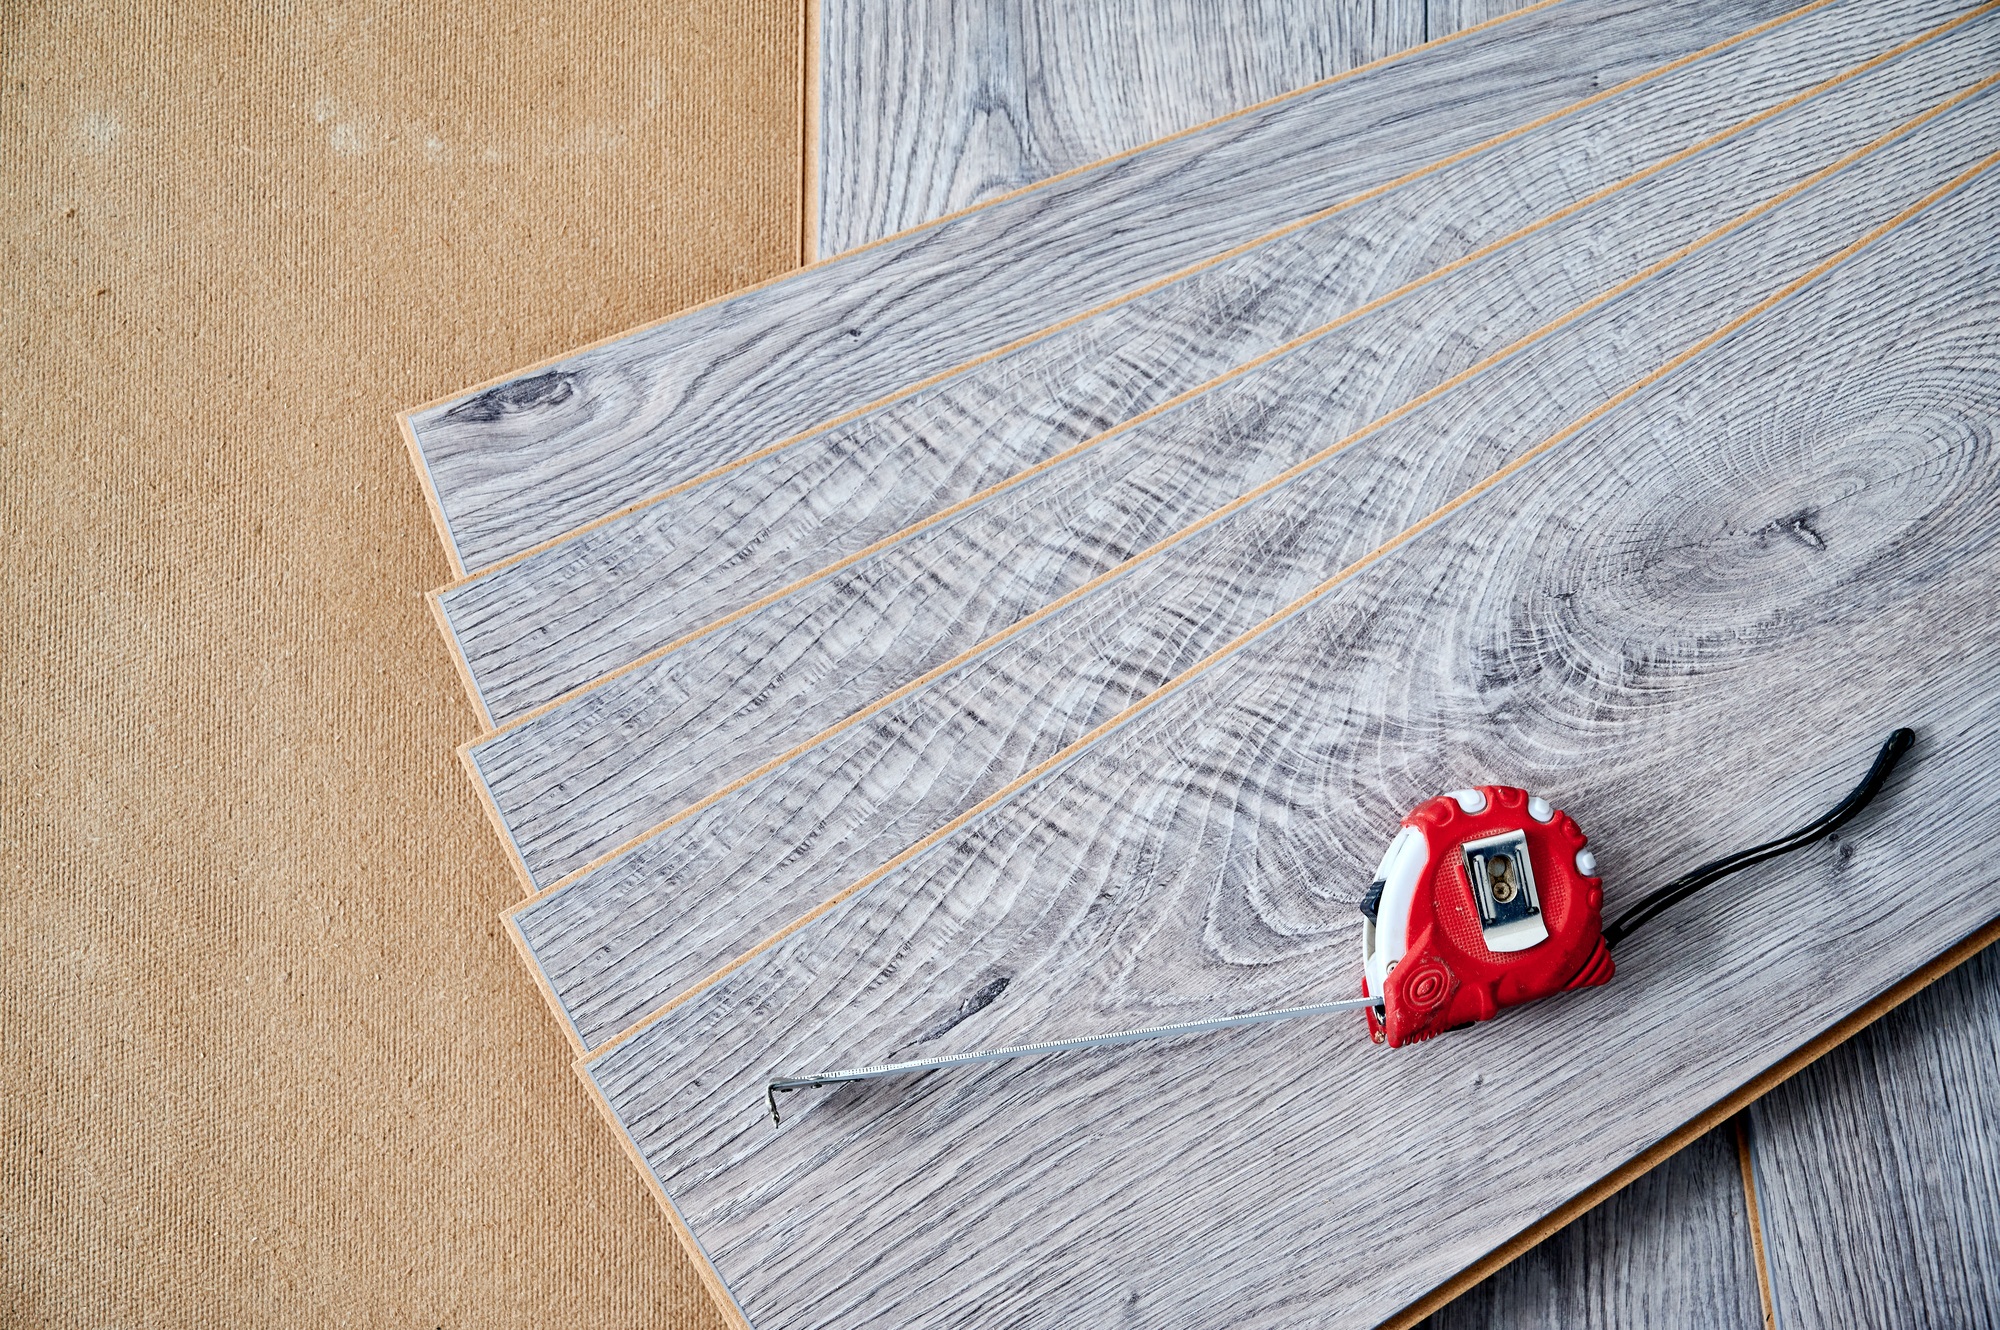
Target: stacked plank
(1033,625)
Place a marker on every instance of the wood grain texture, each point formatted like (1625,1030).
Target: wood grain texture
(1689,625)
(546,625)
(929,106)
(576,782)
(516,464)
(620,938)
(1672,1249)
(1878,1168)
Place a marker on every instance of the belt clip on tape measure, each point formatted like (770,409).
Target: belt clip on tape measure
(1489,898)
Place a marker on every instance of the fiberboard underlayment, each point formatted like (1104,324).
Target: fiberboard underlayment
(1760,541)
(522,462)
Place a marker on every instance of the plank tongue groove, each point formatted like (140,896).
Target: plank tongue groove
(620,592)
(1689,625)
(621,938)
(513,465)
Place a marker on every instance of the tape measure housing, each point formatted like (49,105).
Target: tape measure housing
(1487,898)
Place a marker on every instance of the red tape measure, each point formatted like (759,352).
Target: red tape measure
(1486,899)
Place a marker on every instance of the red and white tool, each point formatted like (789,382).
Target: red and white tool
(1486,899)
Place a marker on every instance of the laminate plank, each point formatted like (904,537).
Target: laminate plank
(625,591)
(524,461)
(1672,1249)
(929,106)
(1878,1167)
(617,939)
(1762,546)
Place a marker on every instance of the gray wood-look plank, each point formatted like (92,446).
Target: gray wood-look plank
(1671,1249)
(1878,1167)
(533,630)
(624,936)
(516,464)
(928,106)
(576,782)
(1764,546)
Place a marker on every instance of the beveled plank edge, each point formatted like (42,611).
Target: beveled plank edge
(1747,1165)
(480,711)
(407,417)
(468,761)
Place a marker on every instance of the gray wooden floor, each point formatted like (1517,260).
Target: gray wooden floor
(1878,1168)
(928,106)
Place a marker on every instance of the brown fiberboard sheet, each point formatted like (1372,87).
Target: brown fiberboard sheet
(261,1037)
